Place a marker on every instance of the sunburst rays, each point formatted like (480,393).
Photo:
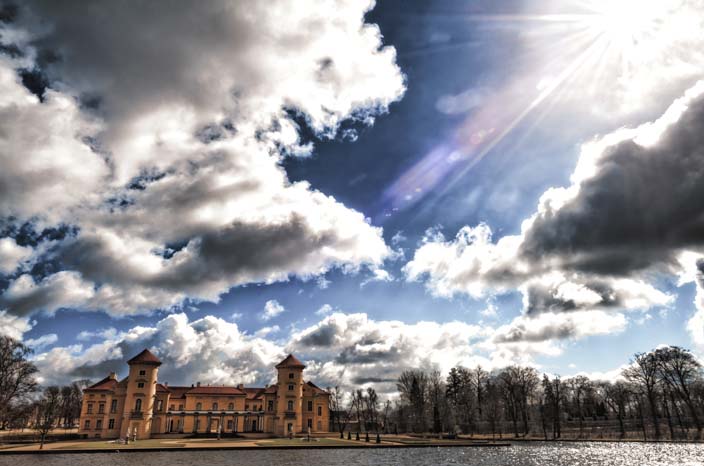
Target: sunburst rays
(577,54)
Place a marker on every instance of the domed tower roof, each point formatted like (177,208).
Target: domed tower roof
(145,357)
(291,361)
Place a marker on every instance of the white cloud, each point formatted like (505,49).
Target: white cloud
(398,238)
(471,263)
(106,334)
(322,282)
(42,341)
(12,255)
(378,275)
(347,349)
(491,311)
(272,308)
(210,350)
(265,331)
(193,128)
(353,349)
(13,326)
(560,326)
(598,245)
(324,310)
(47,168)
(63,289)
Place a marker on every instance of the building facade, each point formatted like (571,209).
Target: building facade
(138,406)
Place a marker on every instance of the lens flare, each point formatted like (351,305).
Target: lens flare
(607,56)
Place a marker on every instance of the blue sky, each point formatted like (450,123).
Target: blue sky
(260,187)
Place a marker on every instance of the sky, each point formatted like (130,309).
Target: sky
(371,186)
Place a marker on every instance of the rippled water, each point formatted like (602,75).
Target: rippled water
(531,454)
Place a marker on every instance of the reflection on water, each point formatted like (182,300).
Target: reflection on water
(531,454)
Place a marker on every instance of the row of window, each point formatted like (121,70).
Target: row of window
(231,406)
(215,407)
(99,424)
(101,407)
(199,407)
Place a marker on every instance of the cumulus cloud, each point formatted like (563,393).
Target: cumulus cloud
(209,349)
(60,290)
(355,349)
(42,341)
(12,255)
(325,309)
(166,156)
(13,326)
(560,326)
(48,166)
(272,308)
(377,275)
(346,349)
(630,216)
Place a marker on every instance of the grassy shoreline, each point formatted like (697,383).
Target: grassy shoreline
(204,444)
(161,445)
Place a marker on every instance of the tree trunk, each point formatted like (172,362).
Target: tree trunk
(620,422)
(524,413)
(654,413)
(642,420)
(680,422)
(669,417)
(581,420)
(543,422)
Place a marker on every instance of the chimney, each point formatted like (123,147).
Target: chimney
(240,386)
(166,384)
(197,384)
(112,376)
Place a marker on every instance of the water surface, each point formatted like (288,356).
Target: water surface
(529,454)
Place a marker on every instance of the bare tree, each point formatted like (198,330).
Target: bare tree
(48,412)
(528,380)
(617,396)
(17,380)
(678,369)
(372,407)
(509,385)
(339,418)
(644,372)
(413,387)
(578,387)
(387,410)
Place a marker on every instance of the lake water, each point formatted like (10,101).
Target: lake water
(530,454)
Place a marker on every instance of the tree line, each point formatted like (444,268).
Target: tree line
(24,403)
(659,396)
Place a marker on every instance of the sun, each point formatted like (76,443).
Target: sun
(626,27)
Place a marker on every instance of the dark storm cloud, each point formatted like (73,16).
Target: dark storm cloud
(322,337)
(641,208)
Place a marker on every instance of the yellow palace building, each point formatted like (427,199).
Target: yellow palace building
(139,406)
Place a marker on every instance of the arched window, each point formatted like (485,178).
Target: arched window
(199,406)
(290,405)
(138,405)
(231,406)
(215,406)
